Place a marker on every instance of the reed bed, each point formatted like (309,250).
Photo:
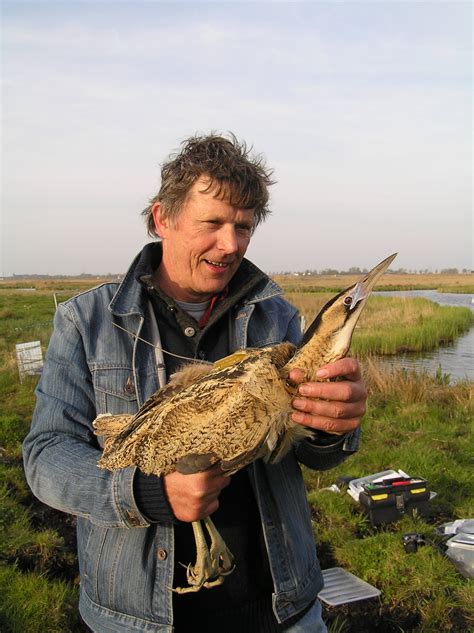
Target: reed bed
(392,281)
(391,325)
(38,285)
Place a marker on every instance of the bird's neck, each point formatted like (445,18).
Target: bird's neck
(317,352)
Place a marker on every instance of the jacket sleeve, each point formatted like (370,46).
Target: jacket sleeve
(323,451)
(61,452)
(323,456)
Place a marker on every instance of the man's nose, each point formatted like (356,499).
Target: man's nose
(228,240)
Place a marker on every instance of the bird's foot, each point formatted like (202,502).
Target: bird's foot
(212,565)
(222,560)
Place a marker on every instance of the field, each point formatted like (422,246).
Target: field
(333,283)
(415,422)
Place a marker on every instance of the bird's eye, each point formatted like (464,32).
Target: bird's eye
(348,301)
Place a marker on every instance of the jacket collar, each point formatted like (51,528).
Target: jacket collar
(131,297)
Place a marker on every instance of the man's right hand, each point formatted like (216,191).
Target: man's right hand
(194,497)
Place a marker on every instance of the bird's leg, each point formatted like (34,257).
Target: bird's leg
(202,571)
(222,560)
(210,566)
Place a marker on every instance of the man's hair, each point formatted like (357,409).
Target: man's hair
(234,175)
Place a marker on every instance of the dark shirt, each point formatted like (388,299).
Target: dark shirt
(243,601)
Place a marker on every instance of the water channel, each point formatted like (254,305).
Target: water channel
(456,359)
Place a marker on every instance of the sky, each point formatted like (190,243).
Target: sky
(363,110)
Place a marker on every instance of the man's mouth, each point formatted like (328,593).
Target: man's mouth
(218,264)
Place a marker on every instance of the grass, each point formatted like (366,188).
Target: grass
(334,283)
(391,325)
(31,602)
(415,421)
(38,566)
(423,427)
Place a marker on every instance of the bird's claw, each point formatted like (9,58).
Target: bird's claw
(212,565)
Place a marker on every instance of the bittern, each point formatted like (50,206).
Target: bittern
(230,414)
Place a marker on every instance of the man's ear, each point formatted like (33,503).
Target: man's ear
(161,224)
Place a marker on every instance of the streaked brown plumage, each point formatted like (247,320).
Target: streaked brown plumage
(231,413)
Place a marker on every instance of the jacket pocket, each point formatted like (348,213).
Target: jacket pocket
(90,543)
(115,390)
(119,568)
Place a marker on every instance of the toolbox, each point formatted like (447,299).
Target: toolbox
(389,499)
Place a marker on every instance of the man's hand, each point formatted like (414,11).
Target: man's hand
(333,407)
(194,497)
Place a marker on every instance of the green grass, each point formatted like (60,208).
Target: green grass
(392,325)
(310,289)
(423,427)
(33,603)
(464,289)
(419,326)
(416,422)
(38,567)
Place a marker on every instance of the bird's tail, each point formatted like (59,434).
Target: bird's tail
(109,426)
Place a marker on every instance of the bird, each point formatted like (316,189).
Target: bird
(230,414)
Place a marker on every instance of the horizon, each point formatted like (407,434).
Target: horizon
(352,270)
(363,110)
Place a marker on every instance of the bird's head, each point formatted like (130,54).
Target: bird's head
(331,331)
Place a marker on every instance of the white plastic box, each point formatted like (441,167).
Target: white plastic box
(29,359)
(461,552)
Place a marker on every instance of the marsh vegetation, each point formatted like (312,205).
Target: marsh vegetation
(390,325)
(417,422)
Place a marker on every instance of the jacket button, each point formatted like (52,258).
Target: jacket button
(189,331)
(134,520)
(129,387)
(162,554)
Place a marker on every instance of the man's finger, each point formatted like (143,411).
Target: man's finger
(344,391)
(348,368)
(330,409)
(329,425)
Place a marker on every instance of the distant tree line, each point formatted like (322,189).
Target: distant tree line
(355,270)
(81,276)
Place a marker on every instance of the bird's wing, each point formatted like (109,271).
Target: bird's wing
(184,377)
(236,357)
(111,426)
(178,381)
(215,418)
(125,425)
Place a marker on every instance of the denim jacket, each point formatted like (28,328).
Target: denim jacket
(126,563)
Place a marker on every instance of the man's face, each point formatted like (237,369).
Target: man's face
(203,248)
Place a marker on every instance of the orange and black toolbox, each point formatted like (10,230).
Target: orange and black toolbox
(389,499)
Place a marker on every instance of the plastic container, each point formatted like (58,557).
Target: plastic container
(461,552)
(341,587)
(453,527)
(390,499)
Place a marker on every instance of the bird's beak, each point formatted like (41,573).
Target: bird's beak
(364,287)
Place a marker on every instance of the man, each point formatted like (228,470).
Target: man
(191,295)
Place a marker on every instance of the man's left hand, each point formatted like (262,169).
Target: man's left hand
(334,407)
